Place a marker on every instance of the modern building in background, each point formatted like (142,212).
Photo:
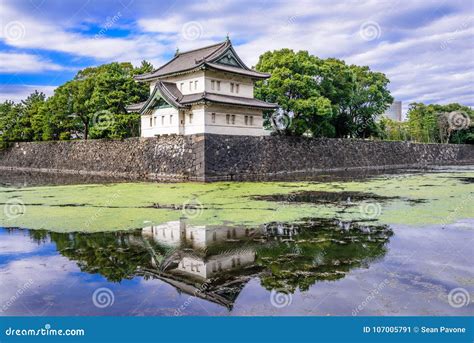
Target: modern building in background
(394,112)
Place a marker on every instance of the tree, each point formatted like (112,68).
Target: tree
(90,105)
(394,130)
(93,103)
(17,121)
(294,86)
(328,97)
(368,99)
(435,123)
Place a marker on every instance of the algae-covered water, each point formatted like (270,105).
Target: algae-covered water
(394,244)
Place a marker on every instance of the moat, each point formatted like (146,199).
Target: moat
(383,245)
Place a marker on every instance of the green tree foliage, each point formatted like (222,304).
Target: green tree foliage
(328,97)
(434,123)
(394,130)
(91,105)
(18,121)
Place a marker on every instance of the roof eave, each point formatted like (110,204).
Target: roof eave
(262,76)
(206,101)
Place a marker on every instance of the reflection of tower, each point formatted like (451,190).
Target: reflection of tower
(217,258)
(206,268)
(280,231)
(177,233)
(202,262)
(170,233)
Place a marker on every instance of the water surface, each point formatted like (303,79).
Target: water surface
(316,268)
(397,244)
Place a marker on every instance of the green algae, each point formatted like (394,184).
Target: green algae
(411,199)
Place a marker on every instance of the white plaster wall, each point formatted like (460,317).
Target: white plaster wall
(203,237)
(246,84)
(185,79)
(195,266)
(220,125)
(160,128)
(218,263)
(197,125)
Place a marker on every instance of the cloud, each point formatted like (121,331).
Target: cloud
(424,47)
(25,63)
(26,31)
(17,93)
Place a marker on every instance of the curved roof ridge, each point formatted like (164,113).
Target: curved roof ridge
(201,48)
(225,44)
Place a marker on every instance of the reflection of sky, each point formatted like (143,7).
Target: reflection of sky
(420,268)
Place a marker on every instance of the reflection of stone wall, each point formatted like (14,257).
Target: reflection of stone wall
(225,157)
(167,157)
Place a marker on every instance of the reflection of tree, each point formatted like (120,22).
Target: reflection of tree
(323,252)
(288,257)
(114,255)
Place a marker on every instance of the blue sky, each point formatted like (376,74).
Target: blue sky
(426,48)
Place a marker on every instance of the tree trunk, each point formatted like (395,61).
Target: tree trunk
(86,130)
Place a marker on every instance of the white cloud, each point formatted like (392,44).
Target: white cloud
(26,31)
(17,93)
(25,63)
(425,48)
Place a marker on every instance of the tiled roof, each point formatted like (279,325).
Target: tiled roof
(237,70)
(174,97)
(226,99)
(135,107)
(199,59)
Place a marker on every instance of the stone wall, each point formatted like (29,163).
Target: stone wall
(218,157)
(273,157)
(159,158)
